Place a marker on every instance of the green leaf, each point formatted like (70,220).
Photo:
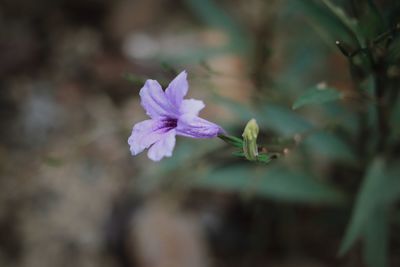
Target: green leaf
(330,146)
(241,111)
(184,153)
(350,23)
(366,202)
(370,21)
(232,140)
(392,183)
(267,157)
(272,116)
(215,16)
(274,182)
(380,188)
(262,157)
(317,95)
(340,117)
(376,237)
(282,120)
(332,19)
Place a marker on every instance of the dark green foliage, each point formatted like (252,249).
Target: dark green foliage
(370,20)
(276,182)
(331,19)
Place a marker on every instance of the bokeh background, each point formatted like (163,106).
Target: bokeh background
(72,195)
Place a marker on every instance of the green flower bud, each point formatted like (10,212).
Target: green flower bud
(250,134)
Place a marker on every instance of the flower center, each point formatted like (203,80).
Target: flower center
(169,124)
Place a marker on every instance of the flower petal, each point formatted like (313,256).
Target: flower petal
(163,147)
(196,127)
(191,106)
(177,89)
(144,134)
(155,102)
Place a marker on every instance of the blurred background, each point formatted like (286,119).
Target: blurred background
(72,195)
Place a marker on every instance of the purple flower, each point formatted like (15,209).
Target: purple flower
(170,115)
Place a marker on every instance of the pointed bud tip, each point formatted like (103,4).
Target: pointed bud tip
(251,129)
(250,135)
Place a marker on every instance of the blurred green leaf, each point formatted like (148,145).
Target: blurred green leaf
(330,146)
(341,117)
(242,112)
(370,21)
(185,147)
(275,182)
(381,186)
(215,16)
(366,202)
(332,19)
(301,58)
(376,238)
(392,184)
(350,23)
(282,120)
(317,95)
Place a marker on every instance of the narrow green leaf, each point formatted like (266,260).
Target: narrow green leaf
(331,19)
(272,116)
(367,200)
(282,120)
(370,21)
(392,183)
(380,188)
(262,157)
(350,23)
(232,140)
(273,182)
(376,237)
(340,117)
(330,146)
(283,184)
(240,110)
(216,16)
(317,95)
(267,157)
